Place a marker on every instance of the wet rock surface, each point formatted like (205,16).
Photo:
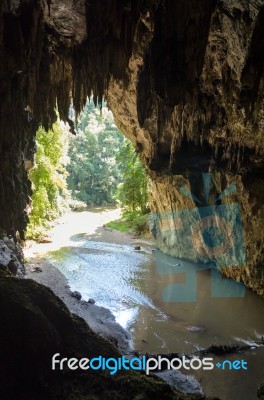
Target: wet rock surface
(261,392)
(38,325)
(187,384)
(77,295)
(100,319)
(11,257)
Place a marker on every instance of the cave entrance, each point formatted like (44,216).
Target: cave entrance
(90,220)
(95,169)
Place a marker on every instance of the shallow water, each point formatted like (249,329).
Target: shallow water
(170,306)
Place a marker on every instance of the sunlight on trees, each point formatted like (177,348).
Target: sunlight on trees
(98,166)
(133,191)
(48,177)
(93,172)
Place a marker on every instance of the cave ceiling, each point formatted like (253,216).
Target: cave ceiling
(180,77)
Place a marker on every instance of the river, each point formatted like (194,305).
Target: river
(169,305)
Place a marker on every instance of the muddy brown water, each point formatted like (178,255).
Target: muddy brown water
(168,305)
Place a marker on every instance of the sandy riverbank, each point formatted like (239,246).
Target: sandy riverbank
(91,224)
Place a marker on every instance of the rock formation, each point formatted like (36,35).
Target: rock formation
(184,80)
(35,326)
(190,76)
(194,104)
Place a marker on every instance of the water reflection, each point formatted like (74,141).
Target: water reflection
(197,320)
(187,291)
(165,301)
(167,304)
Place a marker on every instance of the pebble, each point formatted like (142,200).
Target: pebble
(36,269)
(76,294)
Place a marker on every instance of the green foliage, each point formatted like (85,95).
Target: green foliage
(48,181)
(133,191)
(102,168)
(121,225)
(139,223)
(76,205)
(93,172)
(131,222)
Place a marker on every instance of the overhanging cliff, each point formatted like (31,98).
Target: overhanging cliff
(193,104)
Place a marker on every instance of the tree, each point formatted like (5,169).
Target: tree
(48,177)
(93,173)
(133,191)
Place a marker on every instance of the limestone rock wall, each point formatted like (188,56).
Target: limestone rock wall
(177,217)
(200,110)
(183,79)
(53,54)
(11,258)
